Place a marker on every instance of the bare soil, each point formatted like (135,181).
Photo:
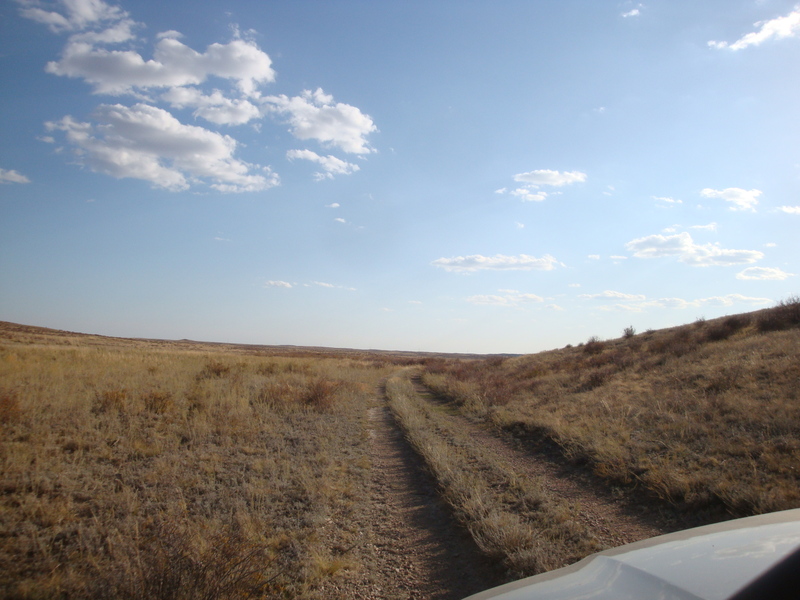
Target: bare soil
(415,548)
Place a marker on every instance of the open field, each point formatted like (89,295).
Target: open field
(157,469)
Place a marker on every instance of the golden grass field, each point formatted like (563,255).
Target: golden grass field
(132,471)
(147,469)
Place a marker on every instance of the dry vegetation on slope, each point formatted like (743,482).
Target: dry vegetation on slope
(129,472)
(146,469)
(704,416)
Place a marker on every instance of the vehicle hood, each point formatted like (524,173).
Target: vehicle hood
(708,563)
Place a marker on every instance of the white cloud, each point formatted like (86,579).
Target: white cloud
(283,284)
(333,205)
(791,210)
(778,28)
(547,177)
(529,195)
(414,302)
(498,262)
(313,115)
(593,257)
(742,199)
(616,257)
(340,220)
(330,164)
(709,227)
(667,200)
(214,107)
(508,298)
(74,15)
(11,176)
(220,84)
(764,273)
(680,303)
(631,13)
(574,285)
(332,286)
(614,295)
(145,142)
(520,225)
(696,255)
(173,64)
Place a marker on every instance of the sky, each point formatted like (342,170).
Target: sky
(454,176)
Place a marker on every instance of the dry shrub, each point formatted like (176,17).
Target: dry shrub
(679,343)
(169,562)
(10,411)
(594,346)
(784,316)
(158,402)
(110,401)
(320,393)
(214,368)
(722,330)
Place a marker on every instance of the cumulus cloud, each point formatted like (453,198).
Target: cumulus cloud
(778,28)
(220,84)
(314,115)
(214,107)
(281,284)
(667,200)
(11,176)
(71,15)
(173,64)
(533,180)
(609,294)
(330,164)
(498,262)
(688,252)
(742,199)
(709,227)
(145,142)
(791,210)
(547,177)
(505,298)
(527,195)
(764,273)
(333,205)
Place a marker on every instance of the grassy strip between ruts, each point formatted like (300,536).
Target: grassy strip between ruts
(511,518)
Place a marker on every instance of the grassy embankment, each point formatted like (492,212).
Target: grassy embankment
(130,472)
(704,417)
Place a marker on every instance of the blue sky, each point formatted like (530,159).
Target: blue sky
(453,176)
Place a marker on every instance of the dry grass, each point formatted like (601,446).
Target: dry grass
(704,416)
(132,472)
(512,519)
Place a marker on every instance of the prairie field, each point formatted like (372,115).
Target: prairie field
(147,469)
(705,416)
(133,472)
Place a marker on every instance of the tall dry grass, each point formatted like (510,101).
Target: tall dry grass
(703,416)
(130,472)
(511,518)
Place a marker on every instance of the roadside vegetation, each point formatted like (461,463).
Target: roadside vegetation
(703,417)
(512,519)
(129,472)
